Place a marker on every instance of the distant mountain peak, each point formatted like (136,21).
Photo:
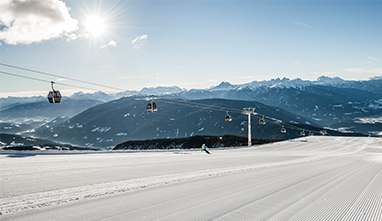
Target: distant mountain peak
(161,90)
(223,86)
(375,78)
(330,80)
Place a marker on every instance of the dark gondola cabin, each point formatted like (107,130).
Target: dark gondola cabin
(228,118)
(151,106)
(54,96)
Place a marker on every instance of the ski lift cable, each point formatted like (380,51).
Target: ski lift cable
(31,78)
(205,106)
(179,102)
(182,102)
(219,108)
(46,81)
(67,78)
(195,105)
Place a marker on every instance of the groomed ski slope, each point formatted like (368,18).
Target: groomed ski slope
(310,178)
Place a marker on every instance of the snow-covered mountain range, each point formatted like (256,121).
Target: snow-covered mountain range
(325,102)
(372,85)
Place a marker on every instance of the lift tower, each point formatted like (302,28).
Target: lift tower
(249,111)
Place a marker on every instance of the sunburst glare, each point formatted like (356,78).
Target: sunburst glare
(95,25)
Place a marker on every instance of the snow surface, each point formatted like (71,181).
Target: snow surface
(369,120)
(311,178)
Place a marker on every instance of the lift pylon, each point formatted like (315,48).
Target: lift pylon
(249,111)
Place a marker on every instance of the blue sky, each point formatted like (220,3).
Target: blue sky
(190,44)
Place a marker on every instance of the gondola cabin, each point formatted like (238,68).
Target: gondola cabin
(262,121)
(283,130)
(54,97)
(302,133)
(228,117)
(151,107)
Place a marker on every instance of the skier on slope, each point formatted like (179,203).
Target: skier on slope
(204,148)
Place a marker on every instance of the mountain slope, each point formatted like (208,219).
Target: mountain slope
(43,109)
(125,119)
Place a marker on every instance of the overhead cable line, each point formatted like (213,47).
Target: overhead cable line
(31,78)
(67,78)
(180,102)
(46,81)
(218,108)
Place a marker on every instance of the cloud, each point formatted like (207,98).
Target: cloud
(139,41)
(74,36)
(300,23)
(111,43)
(362,70)
(373,58)
(32,21)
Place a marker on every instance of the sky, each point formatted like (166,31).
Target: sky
(128,45)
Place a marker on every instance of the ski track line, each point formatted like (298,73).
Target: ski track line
(339,198)
(200,192)
(231,196)
(361,203)
(15,204)
(264,206)
(306,203)
(344,200)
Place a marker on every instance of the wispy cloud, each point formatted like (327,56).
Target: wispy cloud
(371,58)
(33,21)
(300,23)
(363,70)
(139,41)
(111,43)
(297,63)
(74,36)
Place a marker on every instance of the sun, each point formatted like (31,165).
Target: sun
(95,25)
